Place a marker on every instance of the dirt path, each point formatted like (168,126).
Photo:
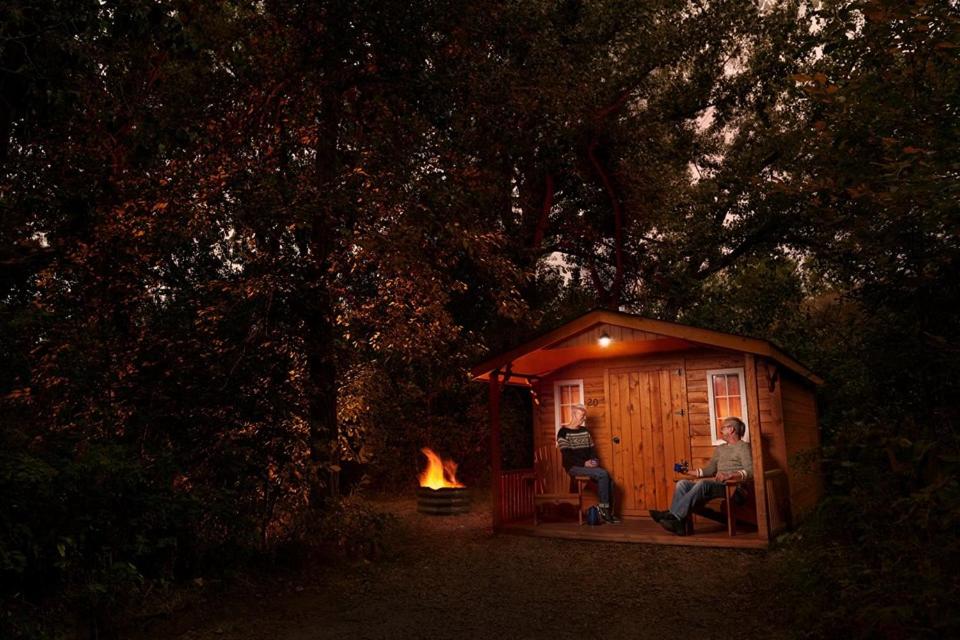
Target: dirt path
(451,578)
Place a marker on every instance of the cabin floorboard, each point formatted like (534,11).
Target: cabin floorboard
(644,530)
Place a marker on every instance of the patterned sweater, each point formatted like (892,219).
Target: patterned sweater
(576,446)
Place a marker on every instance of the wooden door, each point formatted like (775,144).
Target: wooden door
(649,430)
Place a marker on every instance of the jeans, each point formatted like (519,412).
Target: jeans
(602,478)
(689,494)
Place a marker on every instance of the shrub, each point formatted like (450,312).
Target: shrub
(876,559)
(357,529)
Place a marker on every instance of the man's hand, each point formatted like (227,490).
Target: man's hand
(723,477)
(592,462)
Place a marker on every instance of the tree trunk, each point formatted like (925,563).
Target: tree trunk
(319,329)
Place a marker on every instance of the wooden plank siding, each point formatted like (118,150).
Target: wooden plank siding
(696,365)
(756,449)
(774,445)
(592,374)
(781,414)
(802,443)
(690,395)
(616,333)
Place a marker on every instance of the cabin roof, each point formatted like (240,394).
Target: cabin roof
(554,350)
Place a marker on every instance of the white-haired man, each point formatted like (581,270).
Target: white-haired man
(732,460)
(580,459)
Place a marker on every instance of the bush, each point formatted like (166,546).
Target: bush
(92,528)
(357,529)
(876,559)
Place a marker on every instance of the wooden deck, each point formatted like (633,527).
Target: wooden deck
(708,533)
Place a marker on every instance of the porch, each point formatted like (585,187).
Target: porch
(516,505)
(708,533)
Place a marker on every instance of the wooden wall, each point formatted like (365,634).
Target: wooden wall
(592,374)
(695,363)
(617,333)
(802,443)
(771,416)
(786,414)
(774,444)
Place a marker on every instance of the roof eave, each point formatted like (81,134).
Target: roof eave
(706,337)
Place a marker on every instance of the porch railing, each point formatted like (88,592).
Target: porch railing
(516,495)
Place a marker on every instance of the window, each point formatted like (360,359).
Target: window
(726,396)
(566,393)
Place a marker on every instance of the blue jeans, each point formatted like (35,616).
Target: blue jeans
(601,477)
(689,494)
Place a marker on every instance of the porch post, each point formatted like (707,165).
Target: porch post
(756,445)
(495,462)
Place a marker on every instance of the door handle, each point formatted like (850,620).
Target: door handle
(616,440)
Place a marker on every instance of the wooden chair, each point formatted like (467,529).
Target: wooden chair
(552,483)
(745,509)
(728,506)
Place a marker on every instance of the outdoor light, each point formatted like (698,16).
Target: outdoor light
(605,339)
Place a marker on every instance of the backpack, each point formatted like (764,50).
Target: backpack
(593,517)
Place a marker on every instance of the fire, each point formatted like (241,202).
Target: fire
(439,474)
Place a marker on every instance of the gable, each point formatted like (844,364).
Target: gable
(631,335)
(617,333)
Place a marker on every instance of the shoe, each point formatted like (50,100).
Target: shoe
(608,516)
(673,524)
(657,515)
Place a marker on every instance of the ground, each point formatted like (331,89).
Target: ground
(450,577)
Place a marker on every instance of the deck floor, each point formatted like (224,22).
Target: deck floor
(707,533)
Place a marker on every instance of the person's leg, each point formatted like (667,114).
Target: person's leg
(680,490)
(604,490)
(689,494)
(598,475)
(604,484)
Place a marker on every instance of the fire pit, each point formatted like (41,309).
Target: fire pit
(440,493)
(443,502)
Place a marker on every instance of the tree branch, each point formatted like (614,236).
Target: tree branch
(541,227)
(760,234)
(617,284)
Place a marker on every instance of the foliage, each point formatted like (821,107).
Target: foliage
(96,523)
(873,173)
(251,250)
(877,558)
(213,221)
(357,530)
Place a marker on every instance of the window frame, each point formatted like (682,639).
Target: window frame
(712,406)
(556,400)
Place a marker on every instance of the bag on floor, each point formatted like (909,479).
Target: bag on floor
(593,517)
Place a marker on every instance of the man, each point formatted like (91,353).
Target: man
(580,459)
(730,461)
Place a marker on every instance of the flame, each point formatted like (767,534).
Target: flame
(439,473)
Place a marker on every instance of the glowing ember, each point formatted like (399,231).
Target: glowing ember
(439,474)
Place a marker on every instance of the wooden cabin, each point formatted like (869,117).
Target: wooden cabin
(655,393)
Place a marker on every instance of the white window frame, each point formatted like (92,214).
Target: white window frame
(741,374)
(556,400)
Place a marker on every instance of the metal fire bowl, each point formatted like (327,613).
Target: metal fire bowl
(443,502)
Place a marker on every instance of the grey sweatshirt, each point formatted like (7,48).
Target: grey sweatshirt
(729,458)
